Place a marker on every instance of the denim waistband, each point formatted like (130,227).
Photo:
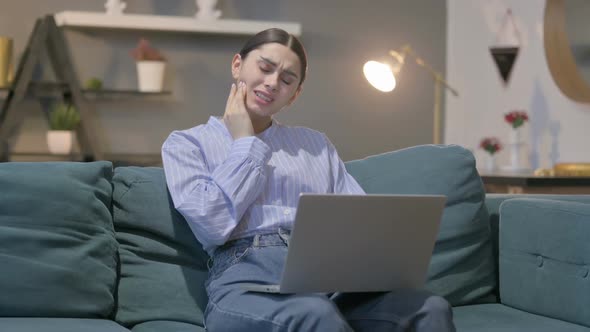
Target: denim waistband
(279,237)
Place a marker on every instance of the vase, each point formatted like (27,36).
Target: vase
(206,10)
(115,7)
(516,136)
(515,145)
(490,163)
(150,75)
(60,141)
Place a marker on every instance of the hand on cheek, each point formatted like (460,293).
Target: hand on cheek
(236,116)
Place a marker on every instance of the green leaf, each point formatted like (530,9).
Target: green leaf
(63,117)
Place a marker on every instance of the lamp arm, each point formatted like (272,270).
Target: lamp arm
(438,77)
(439,82)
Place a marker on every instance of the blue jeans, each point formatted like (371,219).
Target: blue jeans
(260,259)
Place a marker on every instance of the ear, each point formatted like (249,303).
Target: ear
(297,92)
(236,65)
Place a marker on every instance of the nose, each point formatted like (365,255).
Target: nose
(271,82)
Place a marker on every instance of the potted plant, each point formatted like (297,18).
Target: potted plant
(151,65)
(63,120)
(491,145)
(93,83)
(516,119)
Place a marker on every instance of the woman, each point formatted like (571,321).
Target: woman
(237,180)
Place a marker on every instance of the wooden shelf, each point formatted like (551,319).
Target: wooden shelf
(118,159)
(110,94)
(169,23)
(535,184)
(55,89)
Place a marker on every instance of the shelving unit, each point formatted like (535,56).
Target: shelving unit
(47,39)
(169,23)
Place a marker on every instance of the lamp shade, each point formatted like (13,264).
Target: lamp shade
(379,75)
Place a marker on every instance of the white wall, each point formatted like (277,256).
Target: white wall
(558,128)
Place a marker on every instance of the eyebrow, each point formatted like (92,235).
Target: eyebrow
(286,71)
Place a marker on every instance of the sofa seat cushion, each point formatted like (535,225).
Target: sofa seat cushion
(462,268)
(497,317)
(545,258)
(163,266)
(162,325)
(58,250)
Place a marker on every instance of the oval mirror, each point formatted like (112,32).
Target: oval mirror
(567,46)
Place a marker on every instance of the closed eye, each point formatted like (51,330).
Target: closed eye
(265,69)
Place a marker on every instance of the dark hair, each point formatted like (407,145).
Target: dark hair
(275,35)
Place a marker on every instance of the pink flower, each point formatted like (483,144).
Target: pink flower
(490,144)
(516,118)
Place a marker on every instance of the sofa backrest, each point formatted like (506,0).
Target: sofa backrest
(163,267)
(160,256)
(462,267)
(57,244)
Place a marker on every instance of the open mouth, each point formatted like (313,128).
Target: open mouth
(264,97)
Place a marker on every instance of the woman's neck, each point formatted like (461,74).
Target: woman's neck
(260,124)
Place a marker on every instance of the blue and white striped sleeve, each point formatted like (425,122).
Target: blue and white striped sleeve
(343,182)
(214,202)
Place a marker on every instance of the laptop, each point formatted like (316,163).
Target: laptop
(359,243)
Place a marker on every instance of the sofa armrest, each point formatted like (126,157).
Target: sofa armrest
(493,201)
(544,262)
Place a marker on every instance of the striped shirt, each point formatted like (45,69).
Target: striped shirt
(229,189)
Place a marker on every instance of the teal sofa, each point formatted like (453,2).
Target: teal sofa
(85,247)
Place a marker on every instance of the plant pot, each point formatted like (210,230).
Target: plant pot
(516,147)
(60,141)
(490,163)
(150,75)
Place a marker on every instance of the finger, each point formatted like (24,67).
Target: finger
(230,98)
(243,89)
(242,97)
(232,92)
(236,98)
(235,103)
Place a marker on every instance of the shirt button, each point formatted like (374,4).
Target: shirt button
(287,212)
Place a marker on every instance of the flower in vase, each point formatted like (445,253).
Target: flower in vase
(491,145)
(516,118)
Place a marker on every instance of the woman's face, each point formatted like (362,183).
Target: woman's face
(272,74)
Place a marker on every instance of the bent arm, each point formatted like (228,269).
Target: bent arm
(343,182)
(213,202)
